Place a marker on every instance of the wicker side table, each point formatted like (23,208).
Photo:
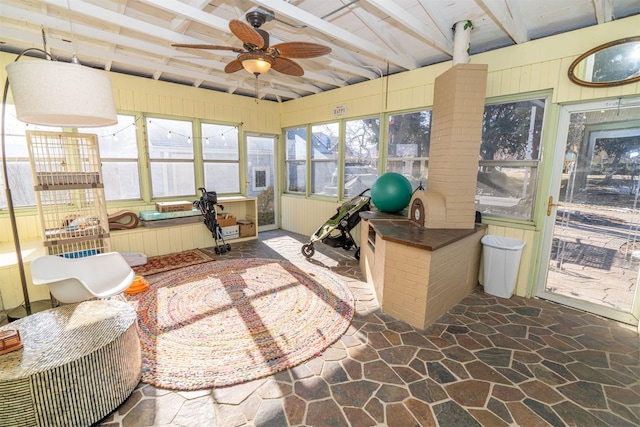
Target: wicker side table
(79,363)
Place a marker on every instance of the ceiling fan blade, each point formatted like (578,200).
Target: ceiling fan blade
(246,33)
(208,46)
(233,66)
(301,49)
(287,66)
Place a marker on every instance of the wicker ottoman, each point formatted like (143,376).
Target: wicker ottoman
(79,363)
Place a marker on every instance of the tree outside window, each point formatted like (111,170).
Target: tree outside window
(408,148)
(361,151)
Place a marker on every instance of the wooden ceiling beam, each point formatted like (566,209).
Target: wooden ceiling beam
(120,20)
(508,16)
(437,17)
(363,47)
(192,13)
(603,11)
(425,32)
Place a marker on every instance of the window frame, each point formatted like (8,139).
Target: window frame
(113,131)
(301,162)
(423,160)
(534,165)
(21,137)
(148,120)
(231,128)
(313,162)
(372,162)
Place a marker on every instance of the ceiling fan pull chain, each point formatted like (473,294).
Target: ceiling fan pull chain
(256,88)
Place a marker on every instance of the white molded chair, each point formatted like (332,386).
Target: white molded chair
(78,279)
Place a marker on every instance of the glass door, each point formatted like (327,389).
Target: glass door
(261,178)
(592,238)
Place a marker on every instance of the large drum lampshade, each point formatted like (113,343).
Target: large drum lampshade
(53,93)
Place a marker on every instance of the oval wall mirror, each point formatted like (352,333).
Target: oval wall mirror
(611,64)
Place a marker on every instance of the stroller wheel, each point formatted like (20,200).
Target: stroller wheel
(217,250)
(357,254)
(228,247)
(308,250)
(347,245)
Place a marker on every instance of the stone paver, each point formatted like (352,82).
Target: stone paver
(487,362)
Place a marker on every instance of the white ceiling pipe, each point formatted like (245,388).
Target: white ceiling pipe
(461,42)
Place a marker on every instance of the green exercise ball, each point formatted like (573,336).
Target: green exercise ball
(391,192)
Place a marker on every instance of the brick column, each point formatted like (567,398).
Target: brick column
(456,132)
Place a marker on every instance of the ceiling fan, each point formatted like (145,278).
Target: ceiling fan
(258,57)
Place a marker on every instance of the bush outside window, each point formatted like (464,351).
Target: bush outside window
(119,157)
(221,157)
(171,160)
(296,160)
(325,149)
(509,158)
(408,146)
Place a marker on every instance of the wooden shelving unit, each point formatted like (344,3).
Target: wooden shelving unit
(68,183)
(176,238)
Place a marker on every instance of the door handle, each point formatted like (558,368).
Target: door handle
(550,205)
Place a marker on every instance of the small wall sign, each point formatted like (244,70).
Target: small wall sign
(340,111)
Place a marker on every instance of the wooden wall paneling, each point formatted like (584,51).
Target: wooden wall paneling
(516,77)
(151,244)
(534,76)
(524,84)
(187,237)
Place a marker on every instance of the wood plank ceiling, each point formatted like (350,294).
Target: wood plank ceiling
(368,38)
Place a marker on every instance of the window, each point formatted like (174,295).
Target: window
(509,157)
(361,142)
(260,178)
(296,160)
(408,148)
(18,163)
(119,156)
(171,157)
(221,157)
(325,144)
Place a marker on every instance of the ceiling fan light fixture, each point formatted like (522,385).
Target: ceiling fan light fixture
(256,63)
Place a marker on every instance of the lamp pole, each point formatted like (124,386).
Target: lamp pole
(27,308)
(12,214)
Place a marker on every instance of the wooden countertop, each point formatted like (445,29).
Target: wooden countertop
(375,214)
(395,228)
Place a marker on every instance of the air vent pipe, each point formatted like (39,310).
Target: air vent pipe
(461,42)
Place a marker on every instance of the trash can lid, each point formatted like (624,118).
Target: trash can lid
(503,242)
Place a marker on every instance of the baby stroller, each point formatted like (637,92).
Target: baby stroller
(336,231)
(207,205)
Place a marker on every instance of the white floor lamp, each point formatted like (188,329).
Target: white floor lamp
(51,93)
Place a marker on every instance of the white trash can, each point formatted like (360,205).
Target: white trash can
(501,263)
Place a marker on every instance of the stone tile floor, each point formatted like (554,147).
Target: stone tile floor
(487,362)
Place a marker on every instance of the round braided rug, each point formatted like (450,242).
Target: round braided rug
(226,322)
